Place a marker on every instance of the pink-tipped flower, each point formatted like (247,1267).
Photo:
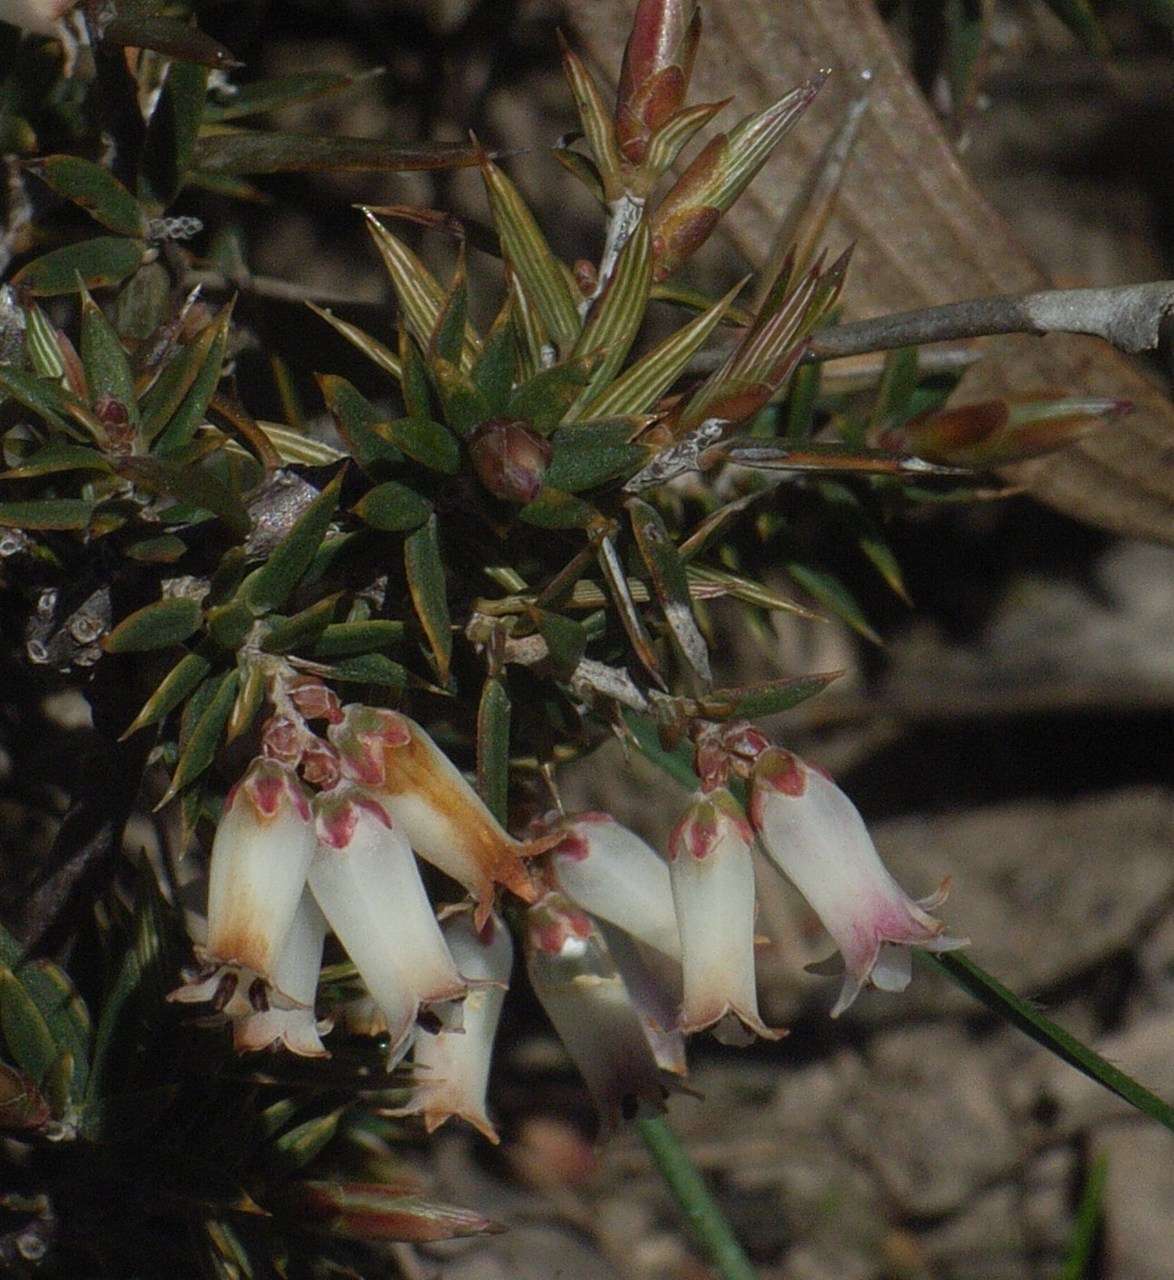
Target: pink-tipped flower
(368,885)
(296,974)
(816,837)
(452,1065)
(584,996)
(427,795)
(713,887)
(609,871)
(260,857)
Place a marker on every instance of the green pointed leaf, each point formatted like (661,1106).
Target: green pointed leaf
(493,374)
(369,668)
(176,40)
(193,487)
(371,347)
(449,332)
(524,245)
(42,344)
(268,587)
(165,549)
(533,340)
(591,453)
(393,508)
(428,443)
(374,1211)
(897,386)
(47,513)
(168,392)
(582,168)
(426,582)
(155,626)
(464,406)
(831,593)
(343,639)
(674,135)
(557,509)
(356,419)
(255,151)
(670,583)
(638,388)
(596,120)
(1020,1013)
(298,1146)
(294,445)
(1080,1261)
(181,427)
(206,732)
(261,96)
(26,1033)
(250,698)
(54,459)
(707,581)
(626,607)
(493,748)
(415,382)
(802,397)
(180,682)
(99,261)
(766,698)
(172,134)
(544,399)
(566,641)
(95,189)
(105,362)
(41,396)
(303,630)
(860,525)
(616,317)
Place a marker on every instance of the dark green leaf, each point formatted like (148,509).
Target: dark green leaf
(170,37)
(429,443)
(767,698)
(254,684)
(26,1033)
(831,593)
(105,362)
(142,303)
(590,453)
(426,582)
(168,392)
(369,668)
(42,396)
(566,641)
(464,406)
(179,429)
(414,380)
(278,91)
(393,508)
(493,374)
(205,735)
(99,261)
(181,681)
(47,513)
(493,748)
(448,335)
(544,400)
(155,626)
(95,189)
(171,134)
(356,419)
(295,1148)
(802,396)
(342,639)
(1082,1247)
(557,509)
(190,485)
(55,458)
(267,588)
(303,630)
(256,152)
(165,549)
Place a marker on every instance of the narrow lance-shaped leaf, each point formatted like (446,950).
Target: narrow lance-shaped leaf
(303,630)
(373,1211)
(46,513)
(169,36)
(493,374)
(95,189)
(771,455)
(179,683)
(343,639)
(525,247)
(633,624)
(393,508)
(674,135)
(205,736)
(280,91)
(155,626)
(860,525)
(670,583)
(588,454)
(180,427)
(54,459)
(356,419)
(493,748)
(98,261)
(26,1033)
(257,151)
(544,399)
(42,344)
(268,587)
(164,396)
(171,134)
(426,582)
(639,387)
(448,333)
(831,593)
(616,316)
(371,347)
(40,395)
(766,698)
(190,484)
(718,176)
(112,391)
(598,127)
(532,335)
(430,443)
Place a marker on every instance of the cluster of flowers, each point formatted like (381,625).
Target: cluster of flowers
(628,951)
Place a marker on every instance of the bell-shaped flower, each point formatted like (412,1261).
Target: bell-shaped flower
(608,870)
(451,1067)
(296,974)
(366,881)
(577,983)
(713,887)
(260,856)
(445,820)
(816,837)
(654,985)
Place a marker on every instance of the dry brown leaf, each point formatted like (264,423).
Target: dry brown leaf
(924,233)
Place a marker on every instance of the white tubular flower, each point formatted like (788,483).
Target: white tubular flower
(368,885)
(452,1065)
(816,837)
(427,795)
(654,985)
(608,870)
(296,973)
(260,857)
(38,16)
(713,887)
(585,998)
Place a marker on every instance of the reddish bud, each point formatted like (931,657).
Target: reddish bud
(510,459)
(658,61)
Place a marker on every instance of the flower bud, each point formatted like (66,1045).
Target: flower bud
(260,857)
(577,983)
(609,871)
(658,61)
(445,820)
(510,459)
(452,1066)
(816,837)
(296,974)
(366,881)
(713,887)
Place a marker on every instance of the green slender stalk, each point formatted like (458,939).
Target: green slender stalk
(1020,1013)
(707,1222)
(1088,1219)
